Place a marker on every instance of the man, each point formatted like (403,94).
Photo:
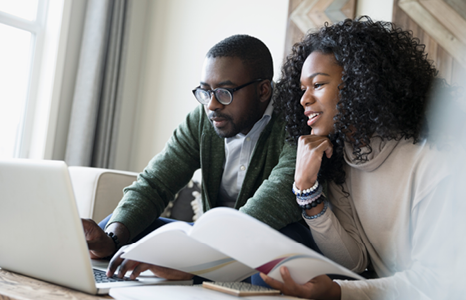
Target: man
(235,137)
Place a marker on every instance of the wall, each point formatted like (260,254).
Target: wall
(378,10)
(178,34)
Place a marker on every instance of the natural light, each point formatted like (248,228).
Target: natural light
(15,59)
(25,9)
(14,75)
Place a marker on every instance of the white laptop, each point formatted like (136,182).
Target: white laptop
(40,230)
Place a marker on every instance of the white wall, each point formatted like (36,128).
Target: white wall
(378,10)
(178,34)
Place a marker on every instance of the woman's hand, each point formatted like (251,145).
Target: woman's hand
(320,287)
(311,149)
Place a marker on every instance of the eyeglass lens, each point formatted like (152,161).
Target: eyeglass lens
(222,95)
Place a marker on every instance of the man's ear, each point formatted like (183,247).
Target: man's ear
(265,90)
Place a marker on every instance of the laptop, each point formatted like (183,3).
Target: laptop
(40,229)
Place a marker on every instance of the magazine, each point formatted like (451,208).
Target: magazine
(225,244)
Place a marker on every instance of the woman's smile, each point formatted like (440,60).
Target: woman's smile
(320,78)
(312,117)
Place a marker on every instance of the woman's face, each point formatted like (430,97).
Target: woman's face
(320,77)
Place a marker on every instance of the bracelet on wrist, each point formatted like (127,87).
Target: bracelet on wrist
(307,200)
(312,195)
(316,215)
(306,192)
(312,204)
(115,240)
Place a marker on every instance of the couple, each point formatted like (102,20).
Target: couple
(342,145)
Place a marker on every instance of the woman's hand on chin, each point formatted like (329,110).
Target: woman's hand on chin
(320,287)
(311,149)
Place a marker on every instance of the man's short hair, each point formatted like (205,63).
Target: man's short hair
(253,52)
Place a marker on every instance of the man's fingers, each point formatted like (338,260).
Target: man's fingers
(115,262)
(94,244)
(170,274)
(138,270)
(126,265)
(113,265)
(90,230)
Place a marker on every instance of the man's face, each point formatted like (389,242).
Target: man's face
(244,111)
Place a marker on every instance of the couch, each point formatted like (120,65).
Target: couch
(98,192)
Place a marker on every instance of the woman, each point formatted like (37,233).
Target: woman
(355,96)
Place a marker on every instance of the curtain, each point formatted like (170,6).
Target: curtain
(97,97)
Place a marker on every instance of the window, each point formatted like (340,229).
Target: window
(22,24)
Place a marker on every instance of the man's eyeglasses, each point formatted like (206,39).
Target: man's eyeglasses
(223,95)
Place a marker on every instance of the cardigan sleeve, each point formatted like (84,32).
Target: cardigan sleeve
(163,177)
(273,202)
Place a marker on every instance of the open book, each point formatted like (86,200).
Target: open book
(227,245)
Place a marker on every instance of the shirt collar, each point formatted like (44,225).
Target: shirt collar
(265,119)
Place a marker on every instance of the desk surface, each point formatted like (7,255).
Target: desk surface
(14,286)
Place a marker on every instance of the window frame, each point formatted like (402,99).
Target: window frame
(37,29)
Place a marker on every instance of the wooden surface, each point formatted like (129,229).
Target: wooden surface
(441,26)
(18,287)
(306,15)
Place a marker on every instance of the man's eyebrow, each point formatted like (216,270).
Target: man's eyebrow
(223,83)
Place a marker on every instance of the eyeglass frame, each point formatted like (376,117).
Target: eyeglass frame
(230,90)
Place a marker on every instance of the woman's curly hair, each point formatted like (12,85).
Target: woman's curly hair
(385,87)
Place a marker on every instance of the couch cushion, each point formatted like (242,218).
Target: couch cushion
(98,191)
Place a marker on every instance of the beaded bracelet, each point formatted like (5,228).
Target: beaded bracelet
(114,239)
(317,215)
(311,195)
(298,192)
(312,204)
(303,201)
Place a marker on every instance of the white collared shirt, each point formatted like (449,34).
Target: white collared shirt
(238,153)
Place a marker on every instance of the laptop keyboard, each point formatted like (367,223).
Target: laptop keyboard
(101,277)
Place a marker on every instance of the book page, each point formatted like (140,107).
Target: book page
(261,247)
(170,246)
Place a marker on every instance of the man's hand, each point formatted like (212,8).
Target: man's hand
(137,268)
(99,243)
(320,287)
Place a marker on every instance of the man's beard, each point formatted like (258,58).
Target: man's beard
(240,126)
(233,130)
(245,124)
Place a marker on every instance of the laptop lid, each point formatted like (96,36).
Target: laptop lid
(40,229)
(41,232)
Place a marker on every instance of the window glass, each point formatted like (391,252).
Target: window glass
(15,59)
(25,9)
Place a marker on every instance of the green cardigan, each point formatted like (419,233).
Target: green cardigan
(265,194)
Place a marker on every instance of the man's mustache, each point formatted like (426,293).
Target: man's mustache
(214,114)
